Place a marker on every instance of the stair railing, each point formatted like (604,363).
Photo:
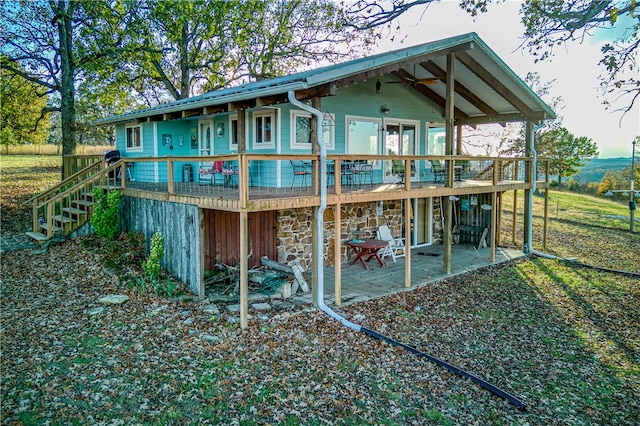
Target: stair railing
(106,177)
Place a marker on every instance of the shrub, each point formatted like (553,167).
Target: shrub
(151,266)
(105,213)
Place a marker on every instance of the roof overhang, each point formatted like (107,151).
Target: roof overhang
(486,90)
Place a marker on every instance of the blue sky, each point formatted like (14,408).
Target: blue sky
(574,67)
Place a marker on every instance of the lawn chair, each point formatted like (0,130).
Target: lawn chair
(394,246)
(209,173)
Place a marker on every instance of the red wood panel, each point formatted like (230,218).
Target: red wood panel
(222,237)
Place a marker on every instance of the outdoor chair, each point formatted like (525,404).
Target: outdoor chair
(394,246)
(397,168)
(438,171)
(209,173)
(362,169)
(300,170)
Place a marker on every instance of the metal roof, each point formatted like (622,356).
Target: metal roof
(486,89)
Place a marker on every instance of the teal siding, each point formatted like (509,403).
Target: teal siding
(359,99)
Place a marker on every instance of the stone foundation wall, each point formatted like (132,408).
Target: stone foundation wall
(295,228)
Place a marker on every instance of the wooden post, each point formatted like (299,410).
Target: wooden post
(244,269)
(407,240)
(337,255)
(170,180)
(499,220)
(514,216)
(243,180)
(546,205)
(494,215)
(242,137)
(449,125)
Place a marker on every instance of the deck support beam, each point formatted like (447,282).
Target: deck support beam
(407,241)
(449,134)
(337,253)
(244,269)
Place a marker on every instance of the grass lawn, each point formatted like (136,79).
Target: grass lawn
(563,338)
(22,177)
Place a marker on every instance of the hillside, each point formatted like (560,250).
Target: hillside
(594,170)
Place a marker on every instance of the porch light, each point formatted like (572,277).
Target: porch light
(385,109)
(220,130)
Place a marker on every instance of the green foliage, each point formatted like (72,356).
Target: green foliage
(21,105)
(565,151)
(151,266)
(105,213)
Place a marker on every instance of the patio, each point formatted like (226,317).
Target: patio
(359,284)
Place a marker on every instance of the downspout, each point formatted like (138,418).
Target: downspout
(318,269)
(534,169)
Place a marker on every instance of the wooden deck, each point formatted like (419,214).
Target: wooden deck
(272,198)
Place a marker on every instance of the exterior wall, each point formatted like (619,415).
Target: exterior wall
(295,229)
(179,225)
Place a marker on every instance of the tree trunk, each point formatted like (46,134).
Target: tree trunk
(63,13)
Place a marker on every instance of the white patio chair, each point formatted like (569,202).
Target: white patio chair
(395,244)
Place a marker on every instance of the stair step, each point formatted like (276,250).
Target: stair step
(63,219)
(85,203)
(74,211)
(46,227)
(38,236)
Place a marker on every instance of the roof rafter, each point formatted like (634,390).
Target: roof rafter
(433,96)
(460,89)
(482,73)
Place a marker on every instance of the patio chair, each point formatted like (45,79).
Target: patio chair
(438,171)
(209,173)
(361,169)
(301,170)
(394,244)
(397,168)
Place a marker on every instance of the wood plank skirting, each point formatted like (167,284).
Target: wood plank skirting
(180,226)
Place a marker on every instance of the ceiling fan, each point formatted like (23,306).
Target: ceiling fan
(415,81)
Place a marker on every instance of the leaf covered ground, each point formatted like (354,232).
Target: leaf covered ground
(563,338)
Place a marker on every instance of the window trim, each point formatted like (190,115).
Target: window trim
(128,148)
(294,114)
(233,146)
(363,118)
(262,114)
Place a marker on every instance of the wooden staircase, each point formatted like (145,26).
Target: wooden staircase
(487,172)
(67,206)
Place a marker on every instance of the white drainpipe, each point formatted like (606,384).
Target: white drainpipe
(319,248)
(534,167)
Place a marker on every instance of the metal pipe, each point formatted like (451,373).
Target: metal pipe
(318,266)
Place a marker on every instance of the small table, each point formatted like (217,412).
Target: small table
(369,248)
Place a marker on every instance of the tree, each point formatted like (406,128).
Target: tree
(192,47)
(57,44)
(549,23)
(21,105)
(566,153)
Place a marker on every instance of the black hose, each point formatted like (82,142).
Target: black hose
(600,268)
(488,386)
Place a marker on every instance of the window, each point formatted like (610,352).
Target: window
(233,136)
(436,141)
(133,135)
(301,130)
(362,135)
(263,129)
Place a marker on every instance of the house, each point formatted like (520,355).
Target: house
(239,173)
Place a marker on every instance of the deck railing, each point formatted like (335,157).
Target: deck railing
(246,177)
(250,176)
